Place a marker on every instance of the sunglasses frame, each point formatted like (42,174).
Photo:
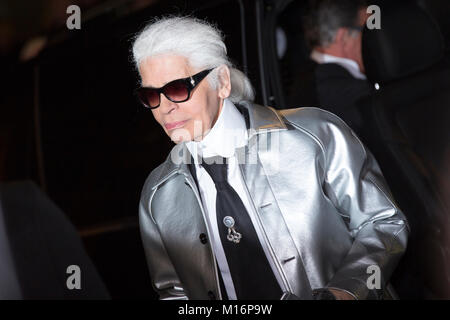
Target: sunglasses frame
(190,83)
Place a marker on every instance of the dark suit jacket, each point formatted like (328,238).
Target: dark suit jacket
(338,91)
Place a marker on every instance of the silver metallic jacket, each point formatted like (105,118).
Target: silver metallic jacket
(322,203)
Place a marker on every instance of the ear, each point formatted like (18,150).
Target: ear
(224,82)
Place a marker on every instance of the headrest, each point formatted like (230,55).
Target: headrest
(409,41)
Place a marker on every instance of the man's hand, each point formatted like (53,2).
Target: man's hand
(341,295)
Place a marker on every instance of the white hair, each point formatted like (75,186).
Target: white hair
(199,42)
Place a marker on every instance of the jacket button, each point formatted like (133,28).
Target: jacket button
(203,238)
(211,295)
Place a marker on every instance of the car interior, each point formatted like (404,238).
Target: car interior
(404,124)
(407,130)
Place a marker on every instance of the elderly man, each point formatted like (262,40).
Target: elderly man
(334,33)
(254,203)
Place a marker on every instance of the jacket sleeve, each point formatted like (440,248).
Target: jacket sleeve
(355,185)
(162,272)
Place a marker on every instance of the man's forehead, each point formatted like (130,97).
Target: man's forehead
(158,70)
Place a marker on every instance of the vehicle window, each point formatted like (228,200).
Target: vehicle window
(295,66)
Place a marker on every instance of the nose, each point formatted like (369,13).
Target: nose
(166,106)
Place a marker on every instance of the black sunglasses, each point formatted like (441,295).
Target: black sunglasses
(176,91)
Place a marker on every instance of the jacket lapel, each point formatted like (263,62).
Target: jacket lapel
(255,171)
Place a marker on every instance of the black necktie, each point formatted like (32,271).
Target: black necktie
(252,275)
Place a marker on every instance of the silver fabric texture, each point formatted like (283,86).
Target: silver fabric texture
(321,198)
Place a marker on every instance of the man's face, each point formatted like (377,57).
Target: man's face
(353,45)
(185,121)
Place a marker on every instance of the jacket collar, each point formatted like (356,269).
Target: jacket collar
(259,119)
(228,133)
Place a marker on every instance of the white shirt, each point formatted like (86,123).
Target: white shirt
(350,65)
(228,133)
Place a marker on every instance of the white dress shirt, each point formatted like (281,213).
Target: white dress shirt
(228,133)
(350,65)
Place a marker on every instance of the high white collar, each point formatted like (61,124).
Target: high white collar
(228,133)
(349,64)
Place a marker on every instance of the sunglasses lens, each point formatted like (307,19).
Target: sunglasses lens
(176,91)
(149,97)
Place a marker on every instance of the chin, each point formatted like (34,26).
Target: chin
(180,135)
